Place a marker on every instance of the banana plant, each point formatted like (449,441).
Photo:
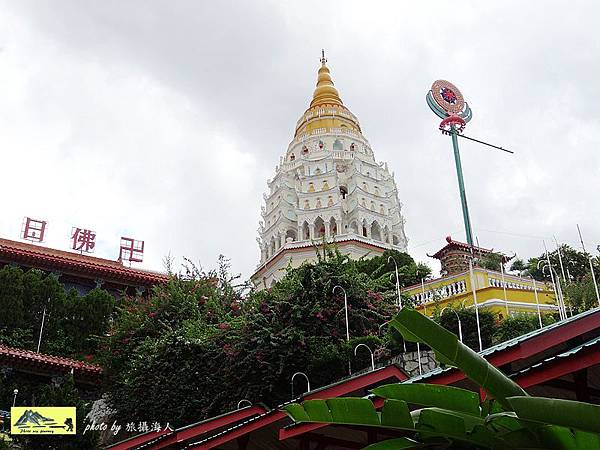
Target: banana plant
(428,416)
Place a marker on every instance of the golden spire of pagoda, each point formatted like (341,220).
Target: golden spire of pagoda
(325,93)
(326,110)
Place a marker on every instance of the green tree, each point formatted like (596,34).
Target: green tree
(518,325)
(581,294)
(491,261)
(72,322)
(199,345)
(576,263)
(519,266)
(468,319)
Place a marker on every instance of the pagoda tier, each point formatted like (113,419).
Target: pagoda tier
(327,187)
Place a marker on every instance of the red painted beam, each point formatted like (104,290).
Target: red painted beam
(189,432)
(241,431)
(560,367)
(336,390)
(138,440)
(527,348)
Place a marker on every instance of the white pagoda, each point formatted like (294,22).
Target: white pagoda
(328,187)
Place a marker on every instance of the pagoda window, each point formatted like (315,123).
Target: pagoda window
(363,202)
(372,206)
(330,201)
(325,186)
(352,147)
(376,190)
(354,227)
(337,145)
(319,205)
(376,231)
(321,145)
(305,231)
(343,192)
(311,187)
(365,187)
(332,226)
(318,171)
(381,209)
(290,236)
(319,228)
(292,157)
(306,204)
(364,231)
(304,150)
(395,240)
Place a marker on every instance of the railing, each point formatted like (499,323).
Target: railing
(495,282)
(449,290)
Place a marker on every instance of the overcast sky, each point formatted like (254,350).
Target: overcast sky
(162,120)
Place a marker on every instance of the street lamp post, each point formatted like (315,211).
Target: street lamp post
(307,382)
(370,351)
(591,266)
(560,261)
(504,286)
(537,302)
(347,324)
(555,284)
(345,309)
(474,289)
(244,400)
(15,392)
(460,336)
(397,281)
(42,326)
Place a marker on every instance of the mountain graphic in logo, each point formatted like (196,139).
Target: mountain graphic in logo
(32,419)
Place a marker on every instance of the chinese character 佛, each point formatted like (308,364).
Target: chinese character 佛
(33,230)
(131,250)
(83,240)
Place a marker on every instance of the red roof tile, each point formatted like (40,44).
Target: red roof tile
(457,245)
(17,356)
(83,265)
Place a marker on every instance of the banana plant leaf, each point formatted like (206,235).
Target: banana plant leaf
(449,350)
(566,413)
(429,423)
(353,411)
(452,417)
(446,397)
(395,444)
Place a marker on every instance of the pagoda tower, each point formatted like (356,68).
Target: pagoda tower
(327,187)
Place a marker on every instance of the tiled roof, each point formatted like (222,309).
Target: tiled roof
(486,353)
(46,363)
(74,263)
(457,245)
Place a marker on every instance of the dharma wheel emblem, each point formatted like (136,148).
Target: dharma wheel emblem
(447,102)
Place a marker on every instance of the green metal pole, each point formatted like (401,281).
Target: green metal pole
(461,188)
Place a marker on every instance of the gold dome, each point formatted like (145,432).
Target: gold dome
(326,109)
(325,92)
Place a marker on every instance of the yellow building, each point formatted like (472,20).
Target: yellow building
(503,294)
